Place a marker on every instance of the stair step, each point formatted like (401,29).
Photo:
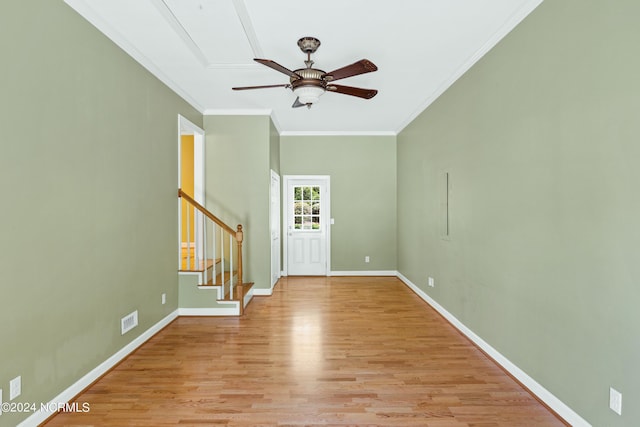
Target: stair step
(198,267)
(246,287)
(218,281)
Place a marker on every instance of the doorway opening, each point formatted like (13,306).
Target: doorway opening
(191,181)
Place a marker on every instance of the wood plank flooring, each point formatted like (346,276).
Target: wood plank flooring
(318,352)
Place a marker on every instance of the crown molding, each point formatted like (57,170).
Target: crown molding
(276,123)
(237,112)
(515,19)
(88,13)
(338,133)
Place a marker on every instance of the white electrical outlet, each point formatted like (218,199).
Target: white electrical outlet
(432,283)
(366,259)
(1,401)
(15,387)
(615,400)
(164,298)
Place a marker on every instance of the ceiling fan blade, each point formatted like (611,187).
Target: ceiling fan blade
(353,91)
(298,104)
(259,87)
(361,67)
(272,64)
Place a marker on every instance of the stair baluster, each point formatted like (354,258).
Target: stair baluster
(222,268)
(205,251)
(189,266)
(214,268)
(231,265)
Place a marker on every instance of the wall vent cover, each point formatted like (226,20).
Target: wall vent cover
(129,322)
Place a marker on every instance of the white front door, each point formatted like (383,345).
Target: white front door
(275,227)
(307,210)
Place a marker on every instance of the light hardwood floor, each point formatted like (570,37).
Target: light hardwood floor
(318,352)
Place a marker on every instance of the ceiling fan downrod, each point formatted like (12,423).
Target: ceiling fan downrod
(308,45)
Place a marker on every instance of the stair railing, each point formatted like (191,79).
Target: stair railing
(224,243)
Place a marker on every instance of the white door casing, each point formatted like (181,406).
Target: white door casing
(274,220)
(307,213)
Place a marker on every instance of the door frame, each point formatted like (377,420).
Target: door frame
(275,176)
(285,217)
(186,127)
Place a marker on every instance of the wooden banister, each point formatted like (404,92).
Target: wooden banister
(206,213)
(238,236)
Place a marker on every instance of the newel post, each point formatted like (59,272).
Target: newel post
(239,238)
(240,286)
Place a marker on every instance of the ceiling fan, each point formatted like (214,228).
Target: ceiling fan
(309,83)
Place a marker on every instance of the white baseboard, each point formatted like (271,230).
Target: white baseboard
(263,292)
(40,416)
(365,273)
(543,394)
(221,311)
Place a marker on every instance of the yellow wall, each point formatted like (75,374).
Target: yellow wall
(186,181)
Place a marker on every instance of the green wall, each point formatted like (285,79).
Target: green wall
(274,148)
(540,139)
(238,158)
(363,199)
(88,166)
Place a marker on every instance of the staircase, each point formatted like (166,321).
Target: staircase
(211,279)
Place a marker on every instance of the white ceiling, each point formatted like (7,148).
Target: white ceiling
(202,48)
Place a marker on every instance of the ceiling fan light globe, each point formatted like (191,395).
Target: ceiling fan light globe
(308,94)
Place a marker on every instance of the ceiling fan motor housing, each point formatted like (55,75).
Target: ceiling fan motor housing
(310,86)
(310,76)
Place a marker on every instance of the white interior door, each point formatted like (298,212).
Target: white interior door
(275,227)
(307,210)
